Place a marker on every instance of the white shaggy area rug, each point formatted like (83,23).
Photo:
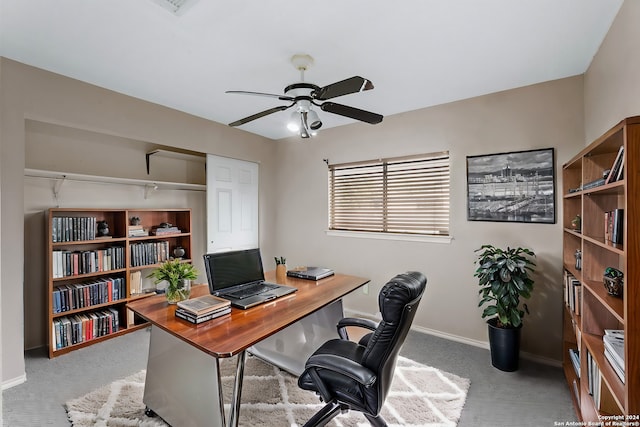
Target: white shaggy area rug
(420,396)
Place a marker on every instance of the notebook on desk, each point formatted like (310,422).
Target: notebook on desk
(239,277)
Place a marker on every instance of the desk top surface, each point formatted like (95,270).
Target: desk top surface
(230,334)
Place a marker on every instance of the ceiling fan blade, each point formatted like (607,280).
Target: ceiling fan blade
(344,87)
(269,95)
(261,114)
(352,112)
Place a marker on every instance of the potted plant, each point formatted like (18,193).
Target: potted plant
(178,276)
(503,277)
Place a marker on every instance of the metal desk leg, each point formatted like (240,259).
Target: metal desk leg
(220,395)
(237,390)
(182,382)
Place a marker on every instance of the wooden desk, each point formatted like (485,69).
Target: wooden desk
(184,387)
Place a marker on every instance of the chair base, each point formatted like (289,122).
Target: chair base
(332,409)
(375,421)
(326,414)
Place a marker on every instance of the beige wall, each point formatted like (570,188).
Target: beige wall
(37,96)
(540,116)
(612,82)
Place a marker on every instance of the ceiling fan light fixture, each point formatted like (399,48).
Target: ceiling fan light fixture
(304,125)
(314,120)
(294,122)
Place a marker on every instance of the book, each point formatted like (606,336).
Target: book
(204,304)
(617,368)
(598,182)
(616,167)
(136,282)
(575,359)
(189,317)
(617,226)
(618,176)
(615,332)
(613,340)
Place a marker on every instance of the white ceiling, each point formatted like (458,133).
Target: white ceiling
(417,53)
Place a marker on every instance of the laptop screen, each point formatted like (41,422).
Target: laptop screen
(226,269)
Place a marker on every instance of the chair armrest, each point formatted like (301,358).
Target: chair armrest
(354,321)
(343,366)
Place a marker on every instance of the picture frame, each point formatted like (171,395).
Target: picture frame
(516,186)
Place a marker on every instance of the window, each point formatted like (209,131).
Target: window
(408,195)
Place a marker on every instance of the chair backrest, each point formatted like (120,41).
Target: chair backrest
(398,301)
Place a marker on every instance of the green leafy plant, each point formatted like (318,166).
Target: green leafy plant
(280,260)
(504,279)
(175,272)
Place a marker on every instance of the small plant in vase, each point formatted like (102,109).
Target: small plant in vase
(178,275)
(281,269)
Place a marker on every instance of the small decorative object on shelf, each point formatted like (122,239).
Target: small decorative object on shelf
(576,223)
(578,255)
(178,276)
(281,269)
(134,220)
(613,281)
(103,228)
(178,252)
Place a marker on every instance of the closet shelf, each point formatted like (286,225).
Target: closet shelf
(154,185)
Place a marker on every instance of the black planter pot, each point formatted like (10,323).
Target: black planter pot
(505,346)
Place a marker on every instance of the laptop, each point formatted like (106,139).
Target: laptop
(239,277)
(310,273)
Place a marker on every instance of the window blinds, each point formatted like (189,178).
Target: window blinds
(401,195)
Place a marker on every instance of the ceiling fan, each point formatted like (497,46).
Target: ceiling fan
(304,96)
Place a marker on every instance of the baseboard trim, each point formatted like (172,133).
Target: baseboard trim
(463,340)
(451,337)
(14,382)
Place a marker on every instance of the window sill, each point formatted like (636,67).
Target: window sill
(390,236)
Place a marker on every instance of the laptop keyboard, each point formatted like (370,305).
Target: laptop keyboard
(250,290)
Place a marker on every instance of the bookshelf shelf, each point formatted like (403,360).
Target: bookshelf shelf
(599,390)
(90,278)
(154,237)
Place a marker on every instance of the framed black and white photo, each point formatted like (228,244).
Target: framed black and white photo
(512,187)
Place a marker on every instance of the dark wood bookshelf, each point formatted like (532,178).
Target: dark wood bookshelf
(118,221)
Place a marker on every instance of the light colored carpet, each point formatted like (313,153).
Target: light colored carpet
(420,396)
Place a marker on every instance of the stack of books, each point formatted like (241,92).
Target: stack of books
(201,309)
(161,231)
(614,350)
(137,231)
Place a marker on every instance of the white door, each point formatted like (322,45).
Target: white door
(232,204)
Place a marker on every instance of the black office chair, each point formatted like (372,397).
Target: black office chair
(349,375)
